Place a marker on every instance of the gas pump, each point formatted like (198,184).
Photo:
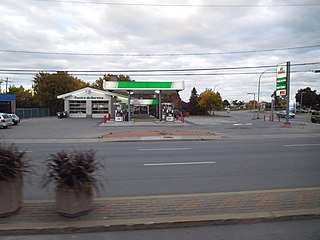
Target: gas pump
(119,113)
(167,112)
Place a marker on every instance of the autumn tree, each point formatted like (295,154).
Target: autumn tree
(48,86)
(210,101)
(98,84)
(24,97)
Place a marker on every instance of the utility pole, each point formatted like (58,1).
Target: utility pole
(254,104)
(1,81)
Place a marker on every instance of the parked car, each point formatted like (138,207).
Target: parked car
(315,117)
(63,114)
(283,114)
(15,118)
(5,120)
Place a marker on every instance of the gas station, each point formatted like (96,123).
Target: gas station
(122,100)
(165,111)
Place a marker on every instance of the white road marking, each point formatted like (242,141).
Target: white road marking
(302,145)
(181,163)
(241,124)
(25,151)
(164,149)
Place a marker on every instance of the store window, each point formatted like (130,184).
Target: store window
(100,107)
(76,107)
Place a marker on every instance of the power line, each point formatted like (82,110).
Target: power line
(183,5)
(152,70)
(156,54)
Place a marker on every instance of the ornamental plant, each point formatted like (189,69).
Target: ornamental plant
(72,170)
(13,163)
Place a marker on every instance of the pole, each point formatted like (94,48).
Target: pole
(287,123)
(160,110)
(254,105)
(259,83)
(129,106)
(7,80)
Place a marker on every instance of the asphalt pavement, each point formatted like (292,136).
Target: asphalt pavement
(162,211)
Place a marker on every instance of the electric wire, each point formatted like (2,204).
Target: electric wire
(157,54)
(183,5)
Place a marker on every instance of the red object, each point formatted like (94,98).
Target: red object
(182,119)
(109,117)
(105,119)
(264,118)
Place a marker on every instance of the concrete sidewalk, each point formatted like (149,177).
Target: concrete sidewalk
(144,212)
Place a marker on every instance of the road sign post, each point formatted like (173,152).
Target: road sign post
(283,87)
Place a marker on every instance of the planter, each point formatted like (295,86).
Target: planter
(73,203)
(10,196)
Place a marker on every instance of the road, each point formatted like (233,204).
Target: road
(294,230)
(179,167)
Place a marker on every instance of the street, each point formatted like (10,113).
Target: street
(247,155)
(156,168)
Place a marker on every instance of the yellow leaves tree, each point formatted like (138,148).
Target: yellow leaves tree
(210,101)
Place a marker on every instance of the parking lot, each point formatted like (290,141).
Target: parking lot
(227,124)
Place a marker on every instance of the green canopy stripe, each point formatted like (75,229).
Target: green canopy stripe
(144,85)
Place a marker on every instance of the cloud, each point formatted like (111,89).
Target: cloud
(101,28)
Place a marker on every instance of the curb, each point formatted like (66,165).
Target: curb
(157,223)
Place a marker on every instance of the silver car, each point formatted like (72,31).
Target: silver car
(282,114)
(15,118)
(5,120)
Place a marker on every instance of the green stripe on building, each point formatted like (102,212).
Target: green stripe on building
(145,85)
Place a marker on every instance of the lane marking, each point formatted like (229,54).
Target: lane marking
(25,151)
(164,149)
(302,145)
(181,163)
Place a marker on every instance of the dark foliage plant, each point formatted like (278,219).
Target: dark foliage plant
(13,163)
(75,170)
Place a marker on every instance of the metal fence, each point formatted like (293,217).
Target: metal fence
(32,112)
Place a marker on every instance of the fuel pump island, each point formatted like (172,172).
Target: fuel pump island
(123,108)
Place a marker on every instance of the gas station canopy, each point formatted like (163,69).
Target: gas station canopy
(143,87)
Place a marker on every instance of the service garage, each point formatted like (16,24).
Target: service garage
(89,103)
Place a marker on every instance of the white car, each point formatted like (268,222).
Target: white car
(282,114)
(15,118)
(5,120)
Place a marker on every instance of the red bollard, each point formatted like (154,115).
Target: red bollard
(104,119)
(279,118)
(182,119)
(109,117)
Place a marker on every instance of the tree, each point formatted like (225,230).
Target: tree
(48,86)
(193,105)
(98,84)
(24,97)
(279,101)
(309,98)
(210,100)
(225,103)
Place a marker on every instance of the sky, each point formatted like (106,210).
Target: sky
(223,37)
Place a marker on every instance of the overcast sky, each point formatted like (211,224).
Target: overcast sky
(175,34)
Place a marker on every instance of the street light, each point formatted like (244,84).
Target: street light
(214,89)
(259,83)
(254,103)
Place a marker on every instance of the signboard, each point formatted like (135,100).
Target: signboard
(281,89)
